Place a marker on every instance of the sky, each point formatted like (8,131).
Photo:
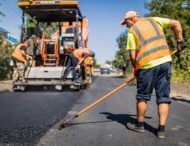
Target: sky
(104,22)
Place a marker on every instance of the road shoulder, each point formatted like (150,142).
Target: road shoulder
(5,86)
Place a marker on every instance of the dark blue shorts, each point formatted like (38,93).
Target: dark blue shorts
(157,78)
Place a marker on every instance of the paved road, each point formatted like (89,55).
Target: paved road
(104,125)
(25,117)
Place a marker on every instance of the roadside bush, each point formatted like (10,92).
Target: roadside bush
(180,76)
(5,69)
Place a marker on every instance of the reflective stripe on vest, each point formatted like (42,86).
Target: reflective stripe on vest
(151,42)
(17,54)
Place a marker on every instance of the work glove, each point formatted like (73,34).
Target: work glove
(181,46)
(77,67)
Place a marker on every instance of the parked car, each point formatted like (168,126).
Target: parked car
(105,70)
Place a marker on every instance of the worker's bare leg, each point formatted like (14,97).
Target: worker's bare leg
(15,74)
(20,68)
(141,110)
(163,109)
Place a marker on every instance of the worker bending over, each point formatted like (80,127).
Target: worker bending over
(20,58)
(151,59)
(76,60)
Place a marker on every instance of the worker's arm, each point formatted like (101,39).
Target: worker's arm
(23,53)
(176,27)
(131,47)
(132,54)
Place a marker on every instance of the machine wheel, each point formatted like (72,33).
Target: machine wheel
(18,88)
(59,87)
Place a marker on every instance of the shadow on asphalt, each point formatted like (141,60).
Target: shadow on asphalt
(181,99)
(46,88)
(119,76)
(126,118)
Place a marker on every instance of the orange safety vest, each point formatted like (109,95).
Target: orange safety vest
(79,52)
(19,54)
(151,41)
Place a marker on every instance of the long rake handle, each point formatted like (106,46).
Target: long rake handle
(110,93)
(104,97)
(101,99)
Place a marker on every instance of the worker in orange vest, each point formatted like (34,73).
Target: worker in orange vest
(76,59)
(151,59)
(20,58)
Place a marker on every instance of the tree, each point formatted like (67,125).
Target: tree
(179,10)
(122,56)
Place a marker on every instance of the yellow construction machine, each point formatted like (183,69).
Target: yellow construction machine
(51,51)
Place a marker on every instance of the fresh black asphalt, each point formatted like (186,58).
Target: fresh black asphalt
(26,116)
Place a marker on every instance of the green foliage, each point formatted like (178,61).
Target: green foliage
(5,69)
(95,63)
(121,56)
(1,40)
(178,10)
(122,59)
(5,53)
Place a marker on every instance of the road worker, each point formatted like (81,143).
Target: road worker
(31,26)
(151,59)
(76,59)
(20,58)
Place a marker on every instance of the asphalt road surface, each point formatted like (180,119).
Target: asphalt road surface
(30,118)
(105,124)
(26,116)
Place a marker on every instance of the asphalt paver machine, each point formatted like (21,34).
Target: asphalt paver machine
(52,51)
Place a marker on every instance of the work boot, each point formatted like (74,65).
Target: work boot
(160,134)
(136,128)
(160,131)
